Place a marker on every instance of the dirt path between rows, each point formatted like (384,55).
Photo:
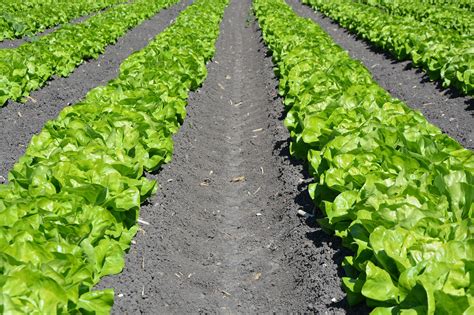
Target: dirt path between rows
(452,113)
(19,122)
(222,233)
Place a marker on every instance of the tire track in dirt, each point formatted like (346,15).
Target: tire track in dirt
(222,233)
(19,122)
(445,108)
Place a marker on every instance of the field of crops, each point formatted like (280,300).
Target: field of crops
(237,156)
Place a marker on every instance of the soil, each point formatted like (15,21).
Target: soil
(223,235)
(445,108)
(19,122)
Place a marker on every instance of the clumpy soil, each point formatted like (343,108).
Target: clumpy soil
(222,234)
(19,122)
(445,108)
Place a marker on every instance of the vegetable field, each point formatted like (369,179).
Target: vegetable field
(236,156)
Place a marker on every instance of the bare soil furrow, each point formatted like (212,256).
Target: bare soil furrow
(223,234)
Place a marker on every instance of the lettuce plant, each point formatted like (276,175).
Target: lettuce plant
(395,189)
(28,17)
(444,54)
(29,66)
(451,17)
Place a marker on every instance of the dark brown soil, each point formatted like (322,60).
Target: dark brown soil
(19,122)
(217,246)
(445,108)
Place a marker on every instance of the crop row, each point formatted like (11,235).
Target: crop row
(70,209)
(395,189)
(449,17)
(463,4)
(29,66)
(444,54)
(19,18)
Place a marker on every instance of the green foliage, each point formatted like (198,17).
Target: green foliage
(391,185)
(442,53)
(69,211)
(448,16)
(463,4)
(27,17)
(29,66)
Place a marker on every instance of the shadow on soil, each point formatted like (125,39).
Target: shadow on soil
(319,237)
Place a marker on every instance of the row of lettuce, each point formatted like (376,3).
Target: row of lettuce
(448,16)
(28,17)
(464,4)
(444,54)
(29,66)
(71,206)
(395,189)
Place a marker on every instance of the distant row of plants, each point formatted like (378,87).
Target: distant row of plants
(448,16)
(28,67)
(443,54)
(28,17)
